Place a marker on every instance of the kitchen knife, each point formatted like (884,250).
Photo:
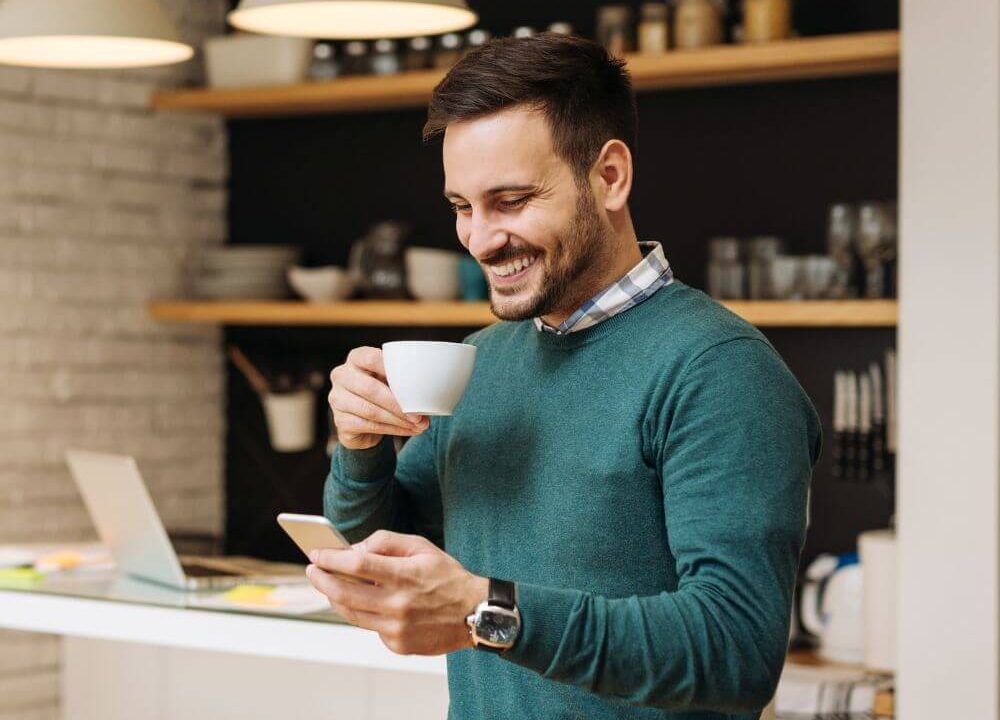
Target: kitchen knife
(878,418)
(864,427)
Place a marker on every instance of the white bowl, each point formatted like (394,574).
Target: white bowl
(432,274)
(242,60)
(428,377)
(323,284)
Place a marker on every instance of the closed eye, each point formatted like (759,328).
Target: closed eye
(513,204)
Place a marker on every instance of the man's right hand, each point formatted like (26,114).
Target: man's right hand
(364,408)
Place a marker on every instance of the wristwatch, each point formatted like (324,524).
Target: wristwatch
(496,622)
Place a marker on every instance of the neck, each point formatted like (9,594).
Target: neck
(622,255)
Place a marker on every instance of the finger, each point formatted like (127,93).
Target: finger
(359,564)
(378,392)
(349,594)
(353,403)
(368,359)
(386,542)
(348,423)
(362,618)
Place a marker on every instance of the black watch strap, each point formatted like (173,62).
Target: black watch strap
(502,593)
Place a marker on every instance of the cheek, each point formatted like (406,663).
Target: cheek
(462,229)
(542,230)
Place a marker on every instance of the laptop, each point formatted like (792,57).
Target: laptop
(128,524)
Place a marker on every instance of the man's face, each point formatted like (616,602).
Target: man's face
(521,214)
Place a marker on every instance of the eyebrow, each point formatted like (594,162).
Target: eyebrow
(496,190)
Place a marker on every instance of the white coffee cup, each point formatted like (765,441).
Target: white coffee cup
(428,377)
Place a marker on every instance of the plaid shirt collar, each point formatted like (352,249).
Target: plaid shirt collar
(649,275)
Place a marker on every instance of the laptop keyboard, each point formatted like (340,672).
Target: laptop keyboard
(196,571)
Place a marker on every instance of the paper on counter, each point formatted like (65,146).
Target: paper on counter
(56,557)
(300,599)
(20,578)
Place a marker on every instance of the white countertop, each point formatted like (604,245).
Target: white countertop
(110,607)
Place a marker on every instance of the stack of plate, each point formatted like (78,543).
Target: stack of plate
(243,272)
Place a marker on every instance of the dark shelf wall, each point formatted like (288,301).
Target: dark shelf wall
(746,160)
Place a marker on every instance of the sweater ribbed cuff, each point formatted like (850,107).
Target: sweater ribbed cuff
(375,463)
(544,612)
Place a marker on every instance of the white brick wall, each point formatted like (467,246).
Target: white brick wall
(102,203)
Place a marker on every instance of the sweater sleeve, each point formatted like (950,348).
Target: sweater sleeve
(734,442)
(373,489)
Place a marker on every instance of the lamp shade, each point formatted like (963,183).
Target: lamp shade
(88,34)
(344,19)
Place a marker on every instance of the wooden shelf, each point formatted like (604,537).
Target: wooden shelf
(804,58)
(814,313)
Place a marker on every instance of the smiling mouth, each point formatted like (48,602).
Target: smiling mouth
(512,271)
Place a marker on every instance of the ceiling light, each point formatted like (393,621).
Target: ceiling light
(88,34)
(343,19)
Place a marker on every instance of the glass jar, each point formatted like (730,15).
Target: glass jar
(524,31)
(560,28)
(418,54)
(449,50)
(766,20)
(385,61)
(614,29)
(476,38)
(726,274)
(356,58)
(840,230)
(761,253)
(785,279)
(697,23)
(875,245)
(324,65)
(653,31)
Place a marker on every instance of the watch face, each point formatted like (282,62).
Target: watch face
(497,627)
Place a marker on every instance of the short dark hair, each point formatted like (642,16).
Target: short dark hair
(584,93)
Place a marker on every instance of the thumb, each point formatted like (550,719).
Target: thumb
(385,542)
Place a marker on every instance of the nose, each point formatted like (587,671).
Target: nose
(485,237)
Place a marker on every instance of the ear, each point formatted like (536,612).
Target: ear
(612,174)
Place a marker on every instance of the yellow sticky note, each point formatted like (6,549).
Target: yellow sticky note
(251,595)
(62,560)
(20,578)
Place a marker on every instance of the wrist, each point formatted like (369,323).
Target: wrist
(477,590)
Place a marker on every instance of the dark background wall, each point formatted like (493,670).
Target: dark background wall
(761,159)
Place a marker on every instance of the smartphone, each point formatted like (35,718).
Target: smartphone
(312,532)
(315,532)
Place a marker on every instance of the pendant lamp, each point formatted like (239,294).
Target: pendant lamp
(88,34)
(345,19)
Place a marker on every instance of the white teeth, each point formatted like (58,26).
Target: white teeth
(512,267)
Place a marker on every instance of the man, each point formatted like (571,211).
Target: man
(629,465)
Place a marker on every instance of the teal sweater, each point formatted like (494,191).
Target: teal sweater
(643,481)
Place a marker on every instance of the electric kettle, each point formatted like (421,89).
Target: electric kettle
(832,607)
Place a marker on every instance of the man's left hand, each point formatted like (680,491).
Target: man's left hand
(417,597)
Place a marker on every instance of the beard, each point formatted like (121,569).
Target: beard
(575,251)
